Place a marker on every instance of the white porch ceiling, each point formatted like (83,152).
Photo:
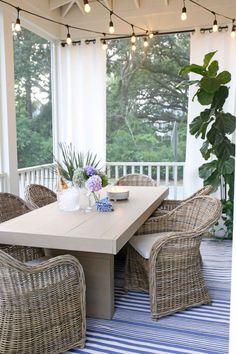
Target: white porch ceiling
(161,15)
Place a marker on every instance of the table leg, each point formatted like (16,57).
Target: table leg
(99,278)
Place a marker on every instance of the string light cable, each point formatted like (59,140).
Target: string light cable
(119,36)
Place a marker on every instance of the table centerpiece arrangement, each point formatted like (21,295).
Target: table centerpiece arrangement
(79,173)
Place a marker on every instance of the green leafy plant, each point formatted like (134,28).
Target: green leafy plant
(214,126)
(71,160)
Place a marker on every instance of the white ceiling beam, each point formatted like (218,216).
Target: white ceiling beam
(137,4)
(107,3)
(54,4)
(167,2)
(65,9)
(80,6)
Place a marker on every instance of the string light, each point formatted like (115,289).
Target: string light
(133,47)
(17,25)
(87,7)
(150,34)
(215,24)
(133,38)
(233,31)
(104,43)
(111,26)
(184,12)
(145,43)
(68,37)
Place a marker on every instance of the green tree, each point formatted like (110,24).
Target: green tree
(32,62)
(142,100)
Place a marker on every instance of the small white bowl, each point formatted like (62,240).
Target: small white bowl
(116,194)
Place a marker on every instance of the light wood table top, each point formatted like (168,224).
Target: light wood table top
(48,227)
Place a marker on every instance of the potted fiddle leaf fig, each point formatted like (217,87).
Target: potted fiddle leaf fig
(214,127)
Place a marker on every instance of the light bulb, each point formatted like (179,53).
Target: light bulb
(151,35)
(133,47)
(233,33)
(104,44)
(184,14)
(17,25)
(215,26)
(68,39)
(145,43)
(111,27)
(133,38)
(87,7)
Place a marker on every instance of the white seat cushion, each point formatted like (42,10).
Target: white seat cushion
(143,243)
(37,261)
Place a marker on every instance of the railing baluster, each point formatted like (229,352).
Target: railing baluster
(158,171)
(175,181)
(167,175)
(116,172)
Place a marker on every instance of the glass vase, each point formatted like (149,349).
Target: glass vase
(68,199)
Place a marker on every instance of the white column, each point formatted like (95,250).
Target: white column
(8,148)
(202,44)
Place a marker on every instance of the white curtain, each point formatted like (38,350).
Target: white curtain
(202,44)
(81,116)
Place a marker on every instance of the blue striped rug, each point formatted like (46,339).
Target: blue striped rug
(200,330)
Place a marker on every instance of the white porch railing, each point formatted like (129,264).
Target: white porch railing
(165,173)
(43,174)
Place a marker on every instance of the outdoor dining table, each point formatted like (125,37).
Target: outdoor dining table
(93,237)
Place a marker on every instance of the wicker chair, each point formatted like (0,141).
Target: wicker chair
(38,196)
(164,258)
(42,307)
(135,180)
(12,206)
(168,205)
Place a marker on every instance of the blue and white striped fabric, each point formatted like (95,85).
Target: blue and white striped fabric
(199,330)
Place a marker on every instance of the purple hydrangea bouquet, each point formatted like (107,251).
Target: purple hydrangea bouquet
(90,178)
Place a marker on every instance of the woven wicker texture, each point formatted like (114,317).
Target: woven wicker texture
(135,180)
(12,206)
(173,274)
(38,196)
(168,205)
(42,307)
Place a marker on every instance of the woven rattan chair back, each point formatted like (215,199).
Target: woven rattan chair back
(198,213)
(38,196)
(42,308)
(135,180)
(203,191)
(170,204)
(11,206)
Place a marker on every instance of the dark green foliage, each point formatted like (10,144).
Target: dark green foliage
(214,125)
(32,60)
(142,100)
